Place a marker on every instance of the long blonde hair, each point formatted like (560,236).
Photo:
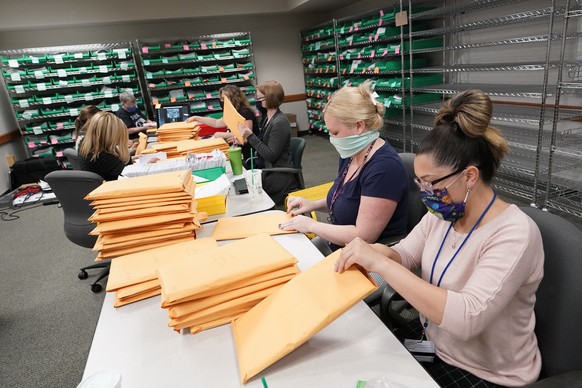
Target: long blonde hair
(351,104)
(105,132)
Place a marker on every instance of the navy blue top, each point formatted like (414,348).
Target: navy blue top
(382,176)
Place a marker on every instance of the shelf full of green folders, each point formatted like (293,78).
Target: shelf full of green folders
(195,69)
(48,87)
(369,47)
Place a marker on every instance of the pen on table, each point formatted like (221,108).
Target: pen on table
(264,381)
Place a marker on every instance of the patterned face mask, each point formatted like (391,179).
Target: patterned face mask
(441,204)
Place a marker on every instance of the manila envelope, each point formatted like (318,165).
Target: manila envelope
(295,313)
(230,228)
(111,253)
(219,267)
(168,182)
(190,307)
(209,325)
(140,267)
(232,119)
(137,289)
(118,302)
(276,274)
(143,212)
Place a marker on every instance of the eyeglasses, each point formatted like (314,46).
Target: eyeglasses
(427,186)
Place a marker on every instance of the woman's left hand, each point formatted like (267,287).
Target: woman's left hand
(301,224)
(361,253)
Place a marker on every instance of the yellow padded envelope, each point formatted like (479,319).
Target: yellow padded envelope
(230,228)
(143,266)
(169,182)
(122,302)
(221,266)
(297,311)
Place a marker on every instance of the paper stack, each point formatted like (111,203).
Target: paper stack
(193,162)
(214,287)
(182,148)
(145,212)
(177,131)
(134,277)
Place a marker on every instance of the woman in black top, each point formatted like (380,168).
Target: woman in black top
(272,143)
(242,106)
(104,147)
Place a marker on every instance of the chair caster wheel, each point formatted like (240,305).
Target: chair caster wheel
(96,288)
(83,275)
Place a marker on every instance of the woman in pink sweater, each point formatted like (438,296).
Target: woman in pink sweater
(481,258)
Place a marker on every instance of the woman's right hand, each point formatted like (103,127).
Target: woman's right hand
(298,205)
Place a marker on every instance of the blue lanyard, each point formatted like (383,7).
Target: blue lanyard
(461,246)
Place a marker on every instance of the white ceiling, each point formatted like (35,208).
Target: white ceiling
(25,14)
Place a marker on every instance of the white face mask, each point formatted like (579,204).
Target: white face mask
(350,145)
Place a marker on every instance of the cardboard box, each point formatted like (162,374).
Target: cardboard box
(292,117)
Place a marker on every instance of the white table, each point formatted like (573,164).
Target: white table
(136,341)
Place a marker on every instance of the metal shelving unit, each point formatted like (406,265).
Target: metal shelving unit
(563,189)
(193,69)
(49,86)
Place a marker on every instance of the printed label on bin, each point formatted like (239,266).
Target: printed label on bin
(19,89)
(124,66)
(37,130)
(114,107)
(41,86)
(47,100)
(74,112)
(86,82)
(120,53)
(31,144)
(60,125)
(103,69)
(15,77)
(106,80)
(34,60)
(54,141)
(38,74)
(58,58)
(108,94)
(13,63)
(23,103)
(61,73)
(69,98)
(101,56)
(88,96)
(83,70)
(59,154)
(78,55)
(124,78)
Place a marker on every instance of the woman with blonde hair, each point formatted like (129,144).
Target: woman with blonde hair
(369,197)
(481,258)
(104,147)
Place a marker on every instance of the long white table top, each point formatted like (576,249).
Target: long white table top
(136,341)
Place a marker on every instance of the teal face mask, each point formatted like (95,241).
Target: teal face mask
(350,145)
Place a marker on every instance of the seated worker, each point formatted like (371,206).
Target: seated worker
(242,106)
(272,144)
(104,148)
(370,195)
(84,115)
(132,117)
(481,258)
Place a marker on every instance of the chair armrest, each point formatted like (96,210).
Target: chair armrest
(571,379)
(289,170)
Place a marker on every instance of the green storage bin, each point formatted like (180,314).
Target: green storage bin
(150,49)
(33,141)
(43,152)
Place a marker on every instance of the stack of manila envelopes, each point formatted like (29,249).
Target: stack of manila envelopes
(134,277)
(217,285)
(144,212)
(295,313)
(171,132)
(178,149)
(231,228)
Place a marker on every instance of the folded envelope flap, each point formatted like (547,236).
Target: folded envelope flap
(142,185)
(221,266)
(143,266)
(297,311)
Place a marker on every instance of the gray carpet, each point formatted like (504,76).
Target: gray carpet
(47,315)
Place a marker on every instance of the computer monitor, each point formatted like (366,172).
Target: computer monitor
(173,113)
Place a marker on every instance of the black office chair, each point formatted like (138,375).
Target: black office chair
(414,212)
(297,147)
(71,187)
(73,157)
(559,302)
